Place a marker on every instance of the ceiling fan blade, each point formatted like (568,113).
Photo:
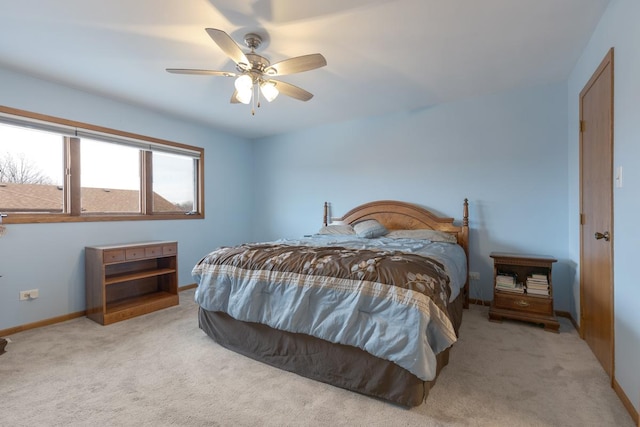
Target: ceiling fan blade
(296,65)
(234,98)
(229,47)
(200,72)
(292,91)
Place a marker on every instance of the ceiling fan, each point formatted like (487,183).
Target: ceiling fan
(254,73)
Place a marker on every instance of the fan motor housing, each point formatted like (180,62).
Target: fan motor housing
(253,41)
(258,63)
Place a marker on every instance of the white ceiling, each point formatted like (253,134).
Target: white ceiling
(383,55)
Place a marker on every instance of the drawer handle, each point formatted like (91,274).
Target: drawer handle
(522,303)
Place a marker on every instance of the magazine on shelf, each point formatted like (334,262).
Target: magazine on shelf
(517,288)
(505,280)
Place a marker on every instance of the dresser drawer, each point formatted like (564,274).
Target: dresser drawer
(170,249)
(152,251)
(113,256)
(135,253)
(524,303)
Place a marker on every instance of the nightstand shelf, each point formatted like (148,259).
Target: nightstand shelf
(518,304)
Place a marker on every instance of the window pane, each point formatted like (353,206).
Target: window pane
(31,170)
(173,183)
(110,176)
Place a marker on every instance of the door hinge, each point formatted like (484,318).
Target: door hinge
(581,219)
(581,126)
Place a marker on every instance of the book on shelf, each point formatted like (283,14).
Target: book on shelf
(537,286)
(538,278)
(517,288)
(505,280)
(538,291)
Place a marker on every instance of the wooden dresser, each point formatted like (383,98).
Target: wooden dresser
(529,307)
(124,281)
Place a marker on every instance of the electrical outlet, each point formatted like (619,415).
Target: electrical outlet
(31,294)
(474,275)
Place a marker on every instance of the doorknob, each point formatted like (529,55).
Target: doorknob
(604,236)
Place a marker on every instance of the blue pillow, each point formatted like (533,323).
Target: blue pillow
(369,228)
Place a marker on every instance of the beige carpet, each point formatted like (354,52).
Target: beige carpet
(160,369)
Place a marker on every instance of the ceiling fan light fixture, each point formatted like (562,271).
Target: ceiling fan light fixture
(254,71)
(244,95)
(269,91)
(243,83)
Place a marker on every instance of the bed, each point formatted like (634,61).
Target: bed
(361,305)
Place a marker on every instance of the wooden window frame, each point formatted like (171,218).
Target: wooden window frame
(72,185)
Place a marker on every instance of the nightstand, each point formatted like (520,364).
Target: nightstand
(513,275)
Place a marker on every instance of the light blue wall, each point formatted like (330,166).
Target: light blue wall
(507,153)
(619,29)
(49,257)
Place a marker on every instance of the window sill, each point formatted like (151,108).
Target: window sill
(53,218)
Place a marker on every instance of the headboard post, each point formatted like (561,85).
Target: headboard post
(325,220)
(465,213)
(464,240)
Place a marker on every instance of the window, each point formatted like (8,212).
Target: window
(31,170)
(173,184)
(54,170)
(110,177)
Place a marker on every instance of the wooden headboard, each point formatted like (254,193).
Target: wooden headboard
(396,215)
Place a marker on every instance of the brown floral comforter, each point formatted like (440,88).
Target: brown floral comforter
(389,303)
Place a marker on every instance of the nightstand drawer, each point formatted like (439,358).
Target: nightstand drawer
(524,303)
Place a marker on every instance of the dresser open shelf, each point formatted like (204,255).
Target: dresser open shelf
(124,281)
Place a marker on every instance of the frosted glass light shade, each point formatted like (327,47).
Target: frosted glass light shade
(244,95)
(269,91)
(243,82)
